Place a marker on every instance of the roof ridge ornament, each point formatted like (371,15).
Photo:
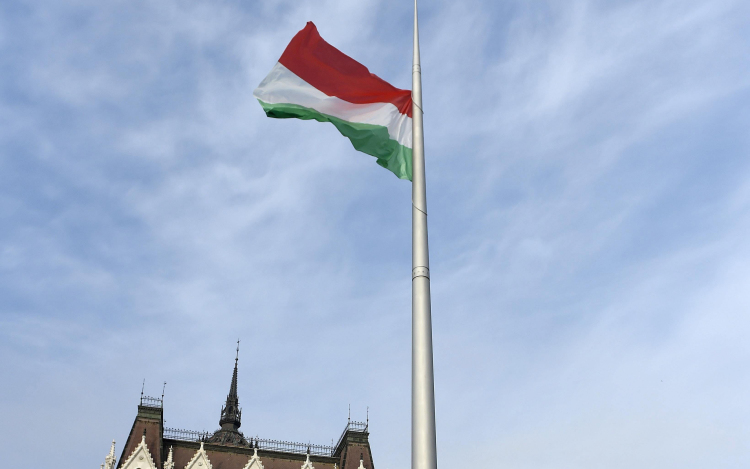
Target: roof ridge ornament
(254,462)
(169,463)
(197,462)
(307,464)
(110,459)
(140,457)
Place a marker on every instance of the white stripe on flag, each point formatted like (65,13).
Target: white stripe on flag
(282,86)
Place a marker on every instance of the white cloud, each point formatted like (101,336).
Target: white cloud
(588,193)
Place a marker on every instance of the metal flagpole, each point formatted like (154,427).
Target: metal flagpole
(423,446)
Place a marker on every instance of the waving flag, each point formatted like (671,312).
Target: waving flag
(315,81)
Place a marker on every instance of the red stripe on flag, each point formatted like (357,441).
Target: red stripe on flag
(334,73)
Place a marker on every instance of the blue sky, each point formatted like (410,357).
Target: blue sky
(589,200)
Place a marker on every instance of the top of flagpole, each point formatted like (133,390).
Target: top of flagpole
(416,93)
(419,198)
(416,34)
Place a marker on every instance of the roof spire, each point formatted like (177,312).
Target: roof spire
(230,412)
(109,461)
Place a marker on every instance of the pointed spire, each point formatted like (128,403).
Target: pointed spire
(110,459)
(308,464)
(230,412)
(233,386)
(169,463)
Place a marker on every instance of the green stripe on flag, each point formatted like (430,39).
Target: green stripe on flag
(367,138)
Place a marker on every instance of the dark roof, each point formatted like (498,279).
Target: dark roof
(227,448)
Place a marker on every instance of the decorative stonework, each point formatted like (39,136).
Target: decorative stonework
(109,460)
(200,460)
(140,458)
(308,464)
(169,463)
(361,464)
(254,462)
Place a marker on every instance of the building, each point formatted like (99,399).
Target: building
(151,446)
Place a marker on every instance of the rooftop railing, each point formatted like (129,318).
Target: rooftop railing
(264,444)
(292,447)
(148,401)
(184,435)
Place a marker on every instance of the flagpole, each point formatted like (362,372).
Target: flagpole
(423,445)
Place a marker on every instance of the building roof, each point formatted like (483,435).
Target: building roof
(151,446)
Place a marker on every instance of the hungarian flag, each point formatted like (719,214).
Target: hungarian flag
(314,80)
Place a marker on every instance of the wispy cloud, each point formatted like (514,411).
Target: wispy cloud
(588,198)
